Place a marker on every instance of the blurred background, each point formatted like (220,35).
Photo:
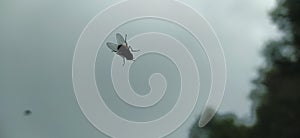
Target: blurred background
(275,94)
(260,41)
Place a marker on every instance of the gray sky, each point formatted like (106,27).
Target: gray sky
(37,41)
(243,26)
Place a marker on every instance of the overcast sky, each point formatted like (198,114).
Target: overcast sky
(243,26)
(37,41)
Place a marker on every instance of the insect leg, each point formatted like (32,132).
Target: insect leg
(133,49)
(126,39)
(123,61)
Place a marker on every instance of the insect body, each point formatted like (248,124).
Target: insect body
(122,48)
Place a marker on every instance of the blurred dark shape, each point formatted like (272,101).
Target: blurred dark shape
(27,112)
(224,125)
(276,97)
(206,115)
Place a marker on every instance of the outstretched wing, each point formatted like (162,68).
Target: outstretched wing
(120,39)
(112,46)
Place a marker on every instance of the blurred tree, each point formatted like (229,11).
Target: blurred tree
(224,126)
(276,97)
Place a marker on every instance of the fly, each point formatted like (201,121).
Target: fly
(122,48)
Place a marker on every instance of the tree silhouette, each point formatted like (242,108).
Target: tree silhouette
(276,97)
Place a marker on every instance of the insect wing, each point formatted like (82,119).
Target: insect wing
(120,39)
(112,46)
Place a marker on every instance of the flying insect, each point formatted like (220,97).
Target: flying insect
(122,48)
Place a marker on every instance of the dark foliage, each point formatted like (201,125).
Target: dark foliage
(277,95)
